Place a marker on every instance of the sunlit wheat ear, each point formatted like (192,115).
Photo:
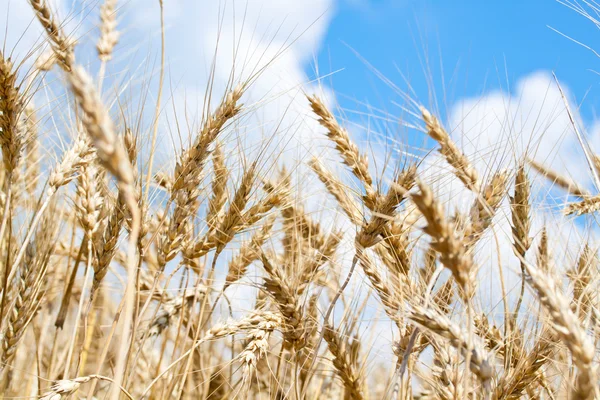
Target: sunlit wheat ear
(28,289)
(484,208)
(184,190)
(527,370)
(596,162)
(46,60)
(19,313)
(12,106)
(543,259)
(344,363)
(88,201)
(255,320)
(588,206)
(442,326)
(395,249)
(214,214)
(109,36)
(62,46)
(444,297)
(582,278)
(233,219)
(105,242)
(324,248)
(462,167)
(445,242)
(444,382)
(172,307)
(384,208)
(349,152)
(562,181)
(389,298)
(257,347)
(338,191)
(286,300)
(66,387)
(33,156)
(249,252)
(192,161)
(492,336)
(567,327)
(111,151)
(520,208)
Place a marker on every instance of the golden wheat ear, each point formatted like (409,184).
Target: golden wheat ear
(562,181)
(462,167)
(449,246)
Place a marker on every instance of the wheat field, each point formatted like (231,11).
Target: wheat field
(218,274)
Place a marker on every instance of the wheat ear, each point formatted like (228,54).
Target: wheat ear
(564,182)
(449,246)
(462,167)
(568,329)
(442,326)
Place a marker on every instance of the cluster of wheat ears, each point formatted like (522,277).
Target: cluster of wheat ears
(107,293)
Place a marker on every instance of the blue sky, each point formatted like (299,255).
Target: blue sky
(475,46)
